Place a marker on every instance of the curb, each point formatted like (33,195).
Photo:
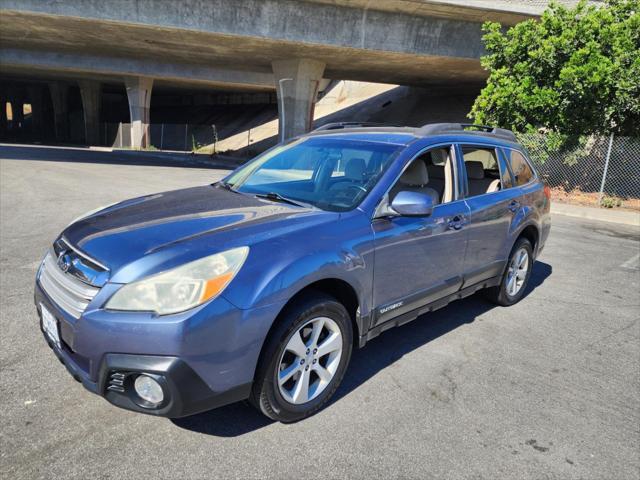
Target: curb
(622,217)
(199,159)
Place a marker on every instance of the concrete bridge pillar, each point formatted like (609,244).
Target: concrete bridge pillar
(3,113)
(37,117)
(139,94)
(17,105)
(59,99)
(297,82)
(90,91)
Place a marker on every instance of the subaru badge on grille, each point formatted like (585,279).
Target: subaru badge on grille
(64,261)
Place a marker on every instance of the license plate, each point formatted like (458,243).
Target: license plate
(50,325)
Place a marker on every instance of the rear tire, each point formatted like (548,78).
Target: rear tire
(516,275)
(304,359)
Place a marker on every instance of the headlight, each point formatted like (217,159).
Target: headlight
(90,212)
(183,287)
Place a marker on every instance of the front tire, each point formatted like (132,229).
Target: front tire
(304,360)
(516,275)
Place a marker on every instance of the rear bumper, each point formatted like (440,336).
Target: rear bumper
(544,235)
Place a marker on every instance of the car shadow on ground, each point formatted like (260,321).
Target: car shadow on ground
(240,418)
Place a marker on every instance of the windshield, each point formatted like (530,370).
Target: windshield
(329,173)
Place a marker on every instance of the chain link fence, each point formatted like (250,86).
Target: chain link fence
(598,170)
(189,138)
(163,136)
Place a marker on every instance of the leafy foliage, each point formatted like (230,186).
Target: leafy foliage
(573,71)
(541,147)
(610,202)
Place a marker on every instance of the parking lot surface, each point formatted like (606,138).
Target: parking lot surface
(548,388)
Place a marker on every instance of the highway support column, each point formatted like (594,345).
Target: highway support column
(90,91)
(59,100)
(139,95)
(297,82)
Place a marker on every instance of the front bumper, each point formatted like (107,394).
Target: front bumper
(185,393)
(205,358)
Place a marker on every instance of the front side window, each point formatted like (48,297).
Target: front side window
(483,171)
(430,173)
(333,174)
(520,167)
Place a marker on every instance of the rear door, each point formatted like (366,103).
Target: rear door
(493,203)
(420,259)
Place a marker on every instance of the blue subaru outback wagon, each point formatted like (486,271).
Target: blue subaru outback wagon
(259,286)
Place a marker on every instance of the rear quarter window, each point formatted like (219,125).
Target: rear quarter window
(522,172)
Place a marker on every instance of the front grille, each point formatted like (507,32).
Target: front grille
(69,293)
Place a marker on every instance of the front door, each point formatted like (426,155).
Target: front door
(420,259)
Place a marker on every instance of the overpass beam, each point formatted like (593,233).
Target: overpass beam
(297,81)
(90,91)
(139,95)
(59,99)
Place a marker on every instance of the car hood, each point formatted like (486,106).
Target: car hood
(189,222)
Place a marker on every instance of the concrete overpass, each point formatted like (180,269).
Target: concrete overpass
(256,45)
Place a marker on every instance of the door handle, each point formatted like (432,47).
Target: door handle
(514,205)
(456,222)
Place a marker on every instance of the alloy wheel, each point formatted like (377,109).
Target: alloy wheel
(517,273)
(309,360)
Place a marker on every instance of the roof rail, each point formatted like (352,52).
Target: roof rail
(439,128)
(341,125)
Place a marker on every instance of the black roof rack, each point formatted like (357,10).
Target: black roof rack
(342,125)
(440,128)
(429,129)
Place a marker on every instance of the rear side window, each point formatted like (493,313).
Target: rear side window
(520,167)
(483,170)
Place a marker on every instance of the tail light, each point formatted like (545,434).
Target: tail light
(547,192)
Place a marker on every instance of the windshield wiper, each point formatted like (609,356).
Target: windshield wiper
(276,197)
(227,186)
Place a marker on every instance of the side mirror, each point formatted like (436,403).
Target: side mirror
(412,204)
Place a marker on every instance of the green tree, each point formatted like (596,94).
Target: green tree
(573,71)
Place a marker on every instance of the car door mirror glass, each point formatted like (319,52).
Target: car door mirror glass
(412,204)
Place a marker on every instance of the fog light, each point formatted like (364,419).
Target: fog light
(149,389)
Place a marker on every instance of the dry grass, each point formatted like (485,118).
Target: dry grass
(592,199)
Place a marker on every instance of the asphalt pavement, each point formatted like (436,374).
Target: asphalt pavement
(548,388)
